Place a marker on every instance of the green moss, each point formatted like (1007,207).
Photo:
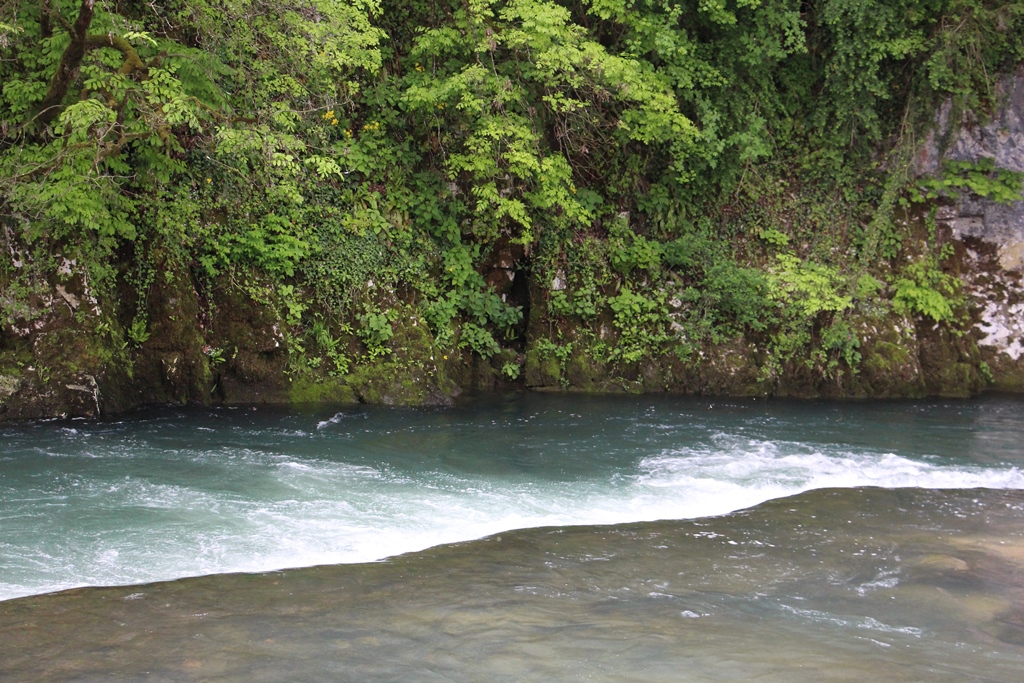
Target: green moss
(890,369)
(412,341)
(886,356)
(392,383)
(956,380)
(414,372)
(542,369)
(584,370)
(317,390)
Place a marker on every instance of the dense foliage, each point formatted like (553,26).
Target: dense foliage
(679,171)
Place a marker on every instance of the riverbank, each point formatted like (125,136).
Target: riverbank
(220,347)
(343,205)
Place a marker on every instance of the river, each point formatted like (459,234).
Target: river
(531,537)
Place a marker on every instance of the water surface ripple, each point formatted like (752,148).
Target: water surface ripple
(895,585)
(173,493)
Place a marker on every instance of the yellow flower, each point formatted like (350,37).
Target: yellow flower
(209,180)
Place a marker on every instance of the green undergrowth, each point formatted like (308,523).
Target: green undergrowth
(545,186)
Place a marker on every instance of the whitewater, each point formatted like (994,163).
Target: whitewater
(177,493)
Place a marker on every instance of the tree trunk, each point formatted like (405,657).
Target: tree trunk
(67,70)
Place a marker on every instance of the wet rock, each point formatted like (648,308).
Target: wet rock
(543,368)
(939,564)
(89,387)
(890,363)
(171,368)
(1008,627)
(730,370)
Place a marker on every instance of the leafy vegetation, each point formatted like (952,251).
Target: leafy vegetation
(981,179)
(680,172)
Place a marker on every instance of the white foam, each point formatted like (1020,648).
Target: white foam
(866,623)
(271,510)
(333,420)
(741,469)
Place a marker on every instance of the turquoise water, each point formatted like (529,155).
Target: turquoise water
(796,542)
(173,493)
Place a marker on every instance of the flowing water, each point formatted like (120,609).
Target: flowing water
(798,542)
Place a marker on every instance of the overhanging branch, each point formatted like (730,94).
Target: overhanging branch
(132,61)
(67,70)
(71,60)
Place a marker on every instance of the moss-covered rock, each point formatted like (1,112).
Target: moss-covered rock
(396,384)
(304,390)
(542,367)
(950,363)
(221,345)
(584,371)
(730,369)
(170,365)
(890,365)
(245,348)
(1004,372)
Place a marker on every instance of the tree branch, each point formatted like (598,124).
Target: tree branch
(50,12)
(67,70)
(132,61)
(71,60)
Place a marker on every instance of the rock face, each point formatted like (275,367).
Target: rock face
(67,354)
(1000,138)
(73,356)
(990,234)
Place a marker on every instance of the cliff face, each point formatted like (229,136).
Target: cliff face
(201,348)
(68,353)
(989,235)
(232,350)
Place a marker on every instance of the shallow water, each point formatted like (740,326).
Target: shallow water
(878,540)
(834,585)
